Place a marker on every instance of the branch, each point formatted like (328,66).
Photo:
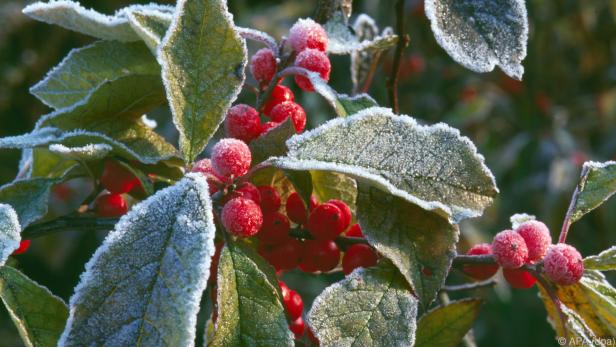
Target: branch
(342,241)
(473,259)
(470,286)
(68,223)
(567,222)
(403,42)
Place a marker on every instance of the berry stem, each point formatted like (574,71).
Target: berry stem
(574,198)
(342,241)
(470,286)
(69,223)
(474,259)
(403,42)
(285,61)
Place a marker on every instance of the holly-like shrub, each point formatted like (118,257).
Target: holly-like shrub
(370,196)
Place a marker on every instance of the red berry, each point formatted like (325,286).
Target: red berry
(263,65)
(204,167)
(509,249)
(306,33)
(287,109)
(537,238)
(283,256)
(296,210)
(346,212)
(246,190)
(110,205)
(23,247)
(563,264)
(243,123)
(117,179)
(275,228)
(325,222)
(312,60)
(354,231)
(270,199)
(267,126)
(242,217)
(214,264)
(294,304)
(358,255)
(279,94)
(519,278)
(231,158)
(284,289)
(480,271)
(298,327)
(321,255)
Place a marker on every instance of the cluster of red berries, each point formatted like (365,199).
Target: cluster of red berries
(117,180)
(530,243)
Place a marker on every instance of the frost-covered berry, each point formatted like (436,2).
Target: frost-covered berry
(358,255)
(267,126)
(321,255)
(537,238)
(246,190)
(563,264)
(23,247)
(312,60)
(354,231)
(287,109)
(117,179)
(263,65)
(242,217)
(346,212)
(306,33)
(243,123)
(509,249)
(204,167)
(279,94)
(270,199)
(298,327)
(110,205)
(275,228)
(480,271)
(231,158)
(325,222)
(296,210)
(283,256)
(519,278)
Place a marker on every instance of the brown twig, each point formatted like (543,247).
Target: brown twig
(403,42)
(473,259)
(567,222)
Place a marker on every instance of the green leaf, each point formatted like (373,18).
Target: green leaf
(329,185)
(144,283)
(370,307)
(38,315)
(354,104)
(203,60)
(9,232)
(85,69)
(272,143)
(446,326)
(602,297)
(302,182)
(481,34)
(151,26)
(250,311)
(29,198)
(597,184)
(430,166)
(421,243)
(604,261)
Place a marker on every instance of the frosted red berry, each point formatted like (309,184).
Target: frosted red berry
(110,205)
(117,179)
(296,210)
(23,247)
(275,228)
(354,231)
(279,94)
(315,61)
(243,123)
(263,65)
(242,217)
(509,249)
(306,33)
(270,199)
(345,210)
(325,222)
(537,238)
(283,256)
(205,168)
(298,327)
(563,264)
(287,109)
(480,271)
(358,255)
(267,126)
(246,190)
(519,278)
(321,255)
(231,158)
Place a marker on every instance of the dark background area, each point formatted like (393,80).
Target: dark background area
(534,134)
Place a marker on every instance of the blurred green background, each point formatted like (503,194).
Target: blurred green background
(534,134)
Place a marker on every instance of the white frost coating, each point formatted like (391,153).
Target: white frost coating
(38,137)
(143,285)
(598,165)
(481,34)
(456,213)
(150,123)
(257,35)
(149,36)
(72,16)
(88,152)
(520,218)
(343,41)
(9,232)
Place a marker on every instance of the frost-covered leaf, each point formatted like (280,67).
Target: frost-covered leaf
(370,307)
(482,34)
(327,185)
(72,16)
(87,152)
(203,60)
(9,232)
(431,166)
(38,315)
(421,243)
(250,310)
(445,326)
(28,197)
(144,283)
(341,40)
(151,26)
(356,103)
(85,69)
(597,184)
(38,137)
(520,218)
(272,144)
(604,261)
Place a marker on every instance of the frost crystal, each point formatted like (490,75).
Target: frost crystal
(520,218)
(87,152)
(9,232)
